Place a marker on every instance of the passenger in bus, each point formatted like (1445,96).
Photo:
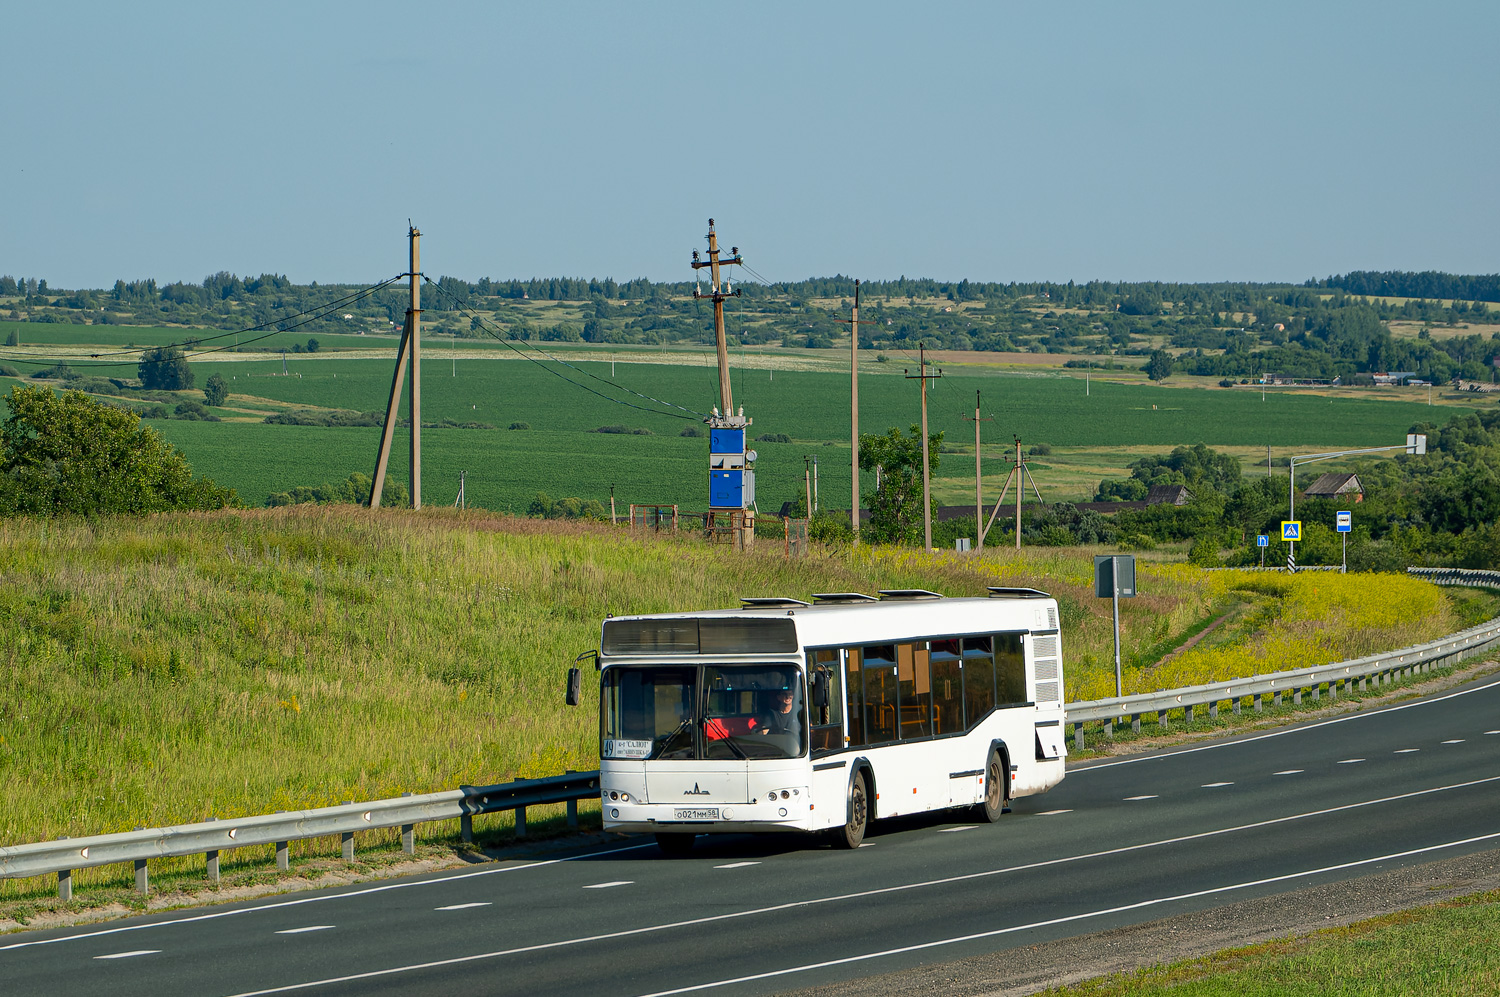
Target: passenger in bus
(782,717)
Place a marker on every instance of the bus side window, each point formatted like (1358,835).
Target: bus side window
(914,669)
(827,721)
(947,687)
(1010,670)
(979,679)
(853,689)
(881,698)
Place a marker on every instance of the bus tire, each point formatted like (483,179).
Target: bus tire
(993,805)
(674,845)
(853,831)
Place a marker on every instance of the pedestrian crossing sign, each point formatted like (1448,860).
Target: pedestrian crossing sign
(1291,529)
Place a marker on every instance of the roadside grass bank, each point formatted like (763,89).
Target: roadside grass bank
(1447,948)
(184,666)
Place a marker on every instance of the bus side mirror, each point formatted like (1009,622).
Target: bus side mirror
(575,687)
(820,689)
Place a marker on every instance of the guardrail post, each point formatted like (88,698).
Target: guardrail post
(1276,698)
(1297,696)
(347,839)
(211,862)
(1187,713)
(1315,691)
(520,822)
(283,855)
(1333,690)
(1258,707)
(142,879)
(1163,718)
(1213,710)
(408,836)
(1078,736)
(1135,723)
(1109,728)
(466,827)
(64,878)
(1236,705)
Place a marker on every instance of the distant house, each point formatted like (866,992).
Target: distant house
(1168,495)
(1332,485)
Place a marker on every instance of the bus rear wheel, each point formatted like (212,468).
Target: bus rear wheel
(853,831)
(994,788)
(674,845)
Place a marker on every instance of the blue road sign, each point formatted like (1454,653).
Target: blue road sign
(1345,522)
(1262,541)
(1291,529)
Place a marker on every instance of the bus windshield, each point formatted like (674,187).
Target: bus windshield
(703,712)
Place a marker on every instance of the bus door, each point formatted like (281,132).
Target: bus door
(830,768)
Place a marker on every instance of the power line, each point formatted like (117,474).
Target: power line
(487,326)
(312,315)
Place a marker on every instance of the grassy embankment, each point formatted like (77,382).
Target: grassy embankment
(1447,949)
(184,666)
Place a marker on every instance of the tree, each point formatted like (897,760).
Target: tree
(70,455)
(896,505)
(165,369)
(216,391)
(1159,367)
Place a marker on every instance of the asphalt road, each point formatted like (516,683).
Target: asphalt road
(1119,843)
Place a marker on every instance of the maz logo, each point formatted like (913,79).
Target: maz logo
(695,791)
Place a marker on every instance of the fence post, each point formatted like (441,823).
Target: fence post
(408,836)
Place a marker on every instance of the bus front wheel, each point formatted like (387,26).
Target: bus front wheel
(853,831)
(994,788)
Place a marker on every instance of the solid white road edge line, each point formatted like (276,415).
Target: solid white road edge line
(650,929)
(215,915)
(1280,733)
(1073,917)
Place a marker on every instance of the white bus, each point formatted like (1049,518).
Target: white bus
(786,715)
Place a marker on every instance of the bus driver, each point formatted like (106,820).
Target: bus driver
(782,718)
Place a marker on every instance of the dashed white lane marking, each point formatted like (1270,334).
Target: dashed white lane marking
(1132,799)
(1053,813)
(1351,761)
(1406,751)
(128,955)
(965,827)
(1492,732)
(310,927)
(736,865)
(1456,740)
(1215,785)
(485,903)
(1289,772)
(868,844)
(605,886)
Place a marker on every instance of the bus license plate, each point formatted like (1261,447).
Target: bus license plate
(697,813)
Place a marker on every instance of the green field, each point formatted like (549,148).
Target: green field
(558,455)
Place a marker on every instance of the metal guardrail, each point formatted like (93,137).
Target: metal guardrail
(211,837)
(1380,667)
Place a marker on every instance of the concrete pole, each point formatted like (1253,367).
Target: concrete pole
(926,476)
(721,343)
(854,415)
(415,387)
(1020,487)
(978,484)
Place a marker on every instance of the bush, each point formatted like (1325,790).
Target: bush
(353,490)
(622,431)
(520,425)
(1041,450)
(1205,553)
(216,391)
(773,438)
(6,370)
(58,372)
(692,431)
(194,412)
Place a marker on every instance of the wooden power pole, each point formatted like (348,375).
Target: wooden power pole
(409,352)
(731,488)
(718,292)
(854,414)
(924,377)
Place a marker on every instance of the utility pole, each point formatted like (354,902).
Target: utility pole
(731,480)
(718,292)
(406,353)
(924,377)
(978,481)
(1020,474)
(807,484)
(854,414)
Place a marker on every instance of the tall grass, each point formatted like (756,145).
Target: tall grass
(183,666)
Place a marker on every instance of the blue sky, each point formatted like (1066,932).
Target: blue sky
(994,141)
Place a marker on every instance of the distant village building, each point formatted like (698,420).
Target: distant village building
(1168,495)
(1332,485)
